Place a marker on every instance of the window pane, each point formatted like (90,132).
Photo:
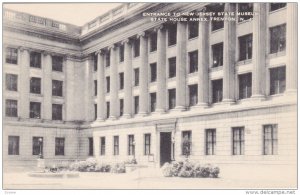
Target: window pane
(59,146)
(35,110)
(11,108)
(57,63)
(37,145)
(35,85)
(11,55)
(57,88)
(56,112)
(11,82)
(13,145)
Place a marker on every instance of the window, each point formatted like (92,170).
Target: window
(121,107)
(91,146)
(152,102)
(56,111)
(277,80)
(172,67)
(11,108)
(11,55)
(270,139)
(11,82)
(153,41)
(107,84)
(193,60)
(95,87)
(121,79)
(95,111)
(243,8)
(116,145)
(172,98)
(153,72)
(172,34)
(238,141)
(276,6)
(95,62)
(57,63)
(245,86)
(186,143)
(35,59)
(217,24)
(35,85)
(147,146)
(245,47)
(57,88)
(35,110)
(121,53)
(107,59)
(217,51)
(107,109)
(193,29)
(193,92)
(217,89)
(37,145)
(136,104)
(131,145)
(210,143)
(102,146)
(13,145)
(59,146)
(136,48)
(277,38)
(136,76)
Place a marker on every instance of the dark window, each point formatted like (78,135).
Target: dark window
(136,104)
(116,145)
(193,29)
(131,145)
(278,38)
(243,10)
(56,111)
(102,146)
(238,141)
(57,88)
(95,111)
(11,82)
(136,76)
(121,107)
(107,59)
(217,89)
(121,53)
(172,98)
(210,141)
(37,145)
(136,48)
(172,34)
(95,58)
(277,80)
(107,84)
(13,145)
(153,41)
(245,86)
(153,101)
(276,6)
(35,85)
(121,79)
(217,51)
(59,146)
(172,67)
(11,108)
(193,60)
(57,63)
(91,146)
(95,87)
(107,109)
(153,72)
(193,92)
(35,59)
(217,24)
(245,47)
(35,110)
(11,56)
(270,139)
(186,143)
(147,146)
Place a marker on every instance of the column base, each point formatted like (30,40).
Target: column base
(180,108)
(142,114)
(201,105)
(159,111)
(258,97)
(100,120)
(112,118)
(126,116)
(227,101)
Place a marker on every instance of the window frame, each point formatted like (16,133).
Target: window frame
(11,57)
(13,148)
(147,144)
(57,88)
(35,85)
(11,82)
(131,145)
(238,145)
(60,143)
(35,110)
(11,108)
(210,144)
(273,141)
(57,112)
(102,146)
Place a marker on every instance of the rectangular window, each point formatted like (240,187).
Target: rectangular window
(136,48)
(102,146)
(244,8)
(217,24)
(217,51)
(107,59)
(11,108)
(107,109)
(210,141)
(56,111)
(270,139)
(153,41)
(57,88)
(13,145)
(95,87)
(91,146)
(152,102)
(172,67)
(217,89)
(136,104)
(147,146)
(11,55)
(278,38)
(153,72)
(193,61)
(186,143)
(121,53)
(193,29)
(172,98)
(35,85)
(95,111)
(37,145)
(59,146)
(193,92)
(136,76)
(121,107)
(131,145)
(95,58)
(107,84)
(35,110)
(238,141)
(245,86)
(172,34)
(121,79)
(57,63)
(11,82)
(35,59)
(276,6)
(116,145)
(277,80)
(245,47)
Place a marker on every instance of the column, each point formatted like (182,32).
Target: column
(181,66)
(89,89)
(229,56)
(127,79)
(143,100)
(47,86)
(23,104)
(161,70)
(70,86)
(101,114)
(114,102)
(259,51)
(291,50)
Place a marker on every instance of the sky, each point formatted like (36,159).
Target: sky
(72,13)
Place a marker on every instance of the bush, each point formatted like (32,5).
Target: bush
(118,168)
(167,170)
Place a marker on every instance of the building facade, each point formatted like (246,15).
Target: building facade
(124,86)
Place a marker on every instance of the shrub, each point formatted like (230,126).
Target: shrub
(167,170)
(118,168)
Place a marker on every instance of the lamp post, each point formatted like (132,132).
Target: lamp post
(41,144)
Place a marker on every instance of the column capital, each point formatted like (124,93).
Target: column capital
(100,51)
(141,34)
(24,48)
(125,41)
(159,27)
(45,53)
(113,46)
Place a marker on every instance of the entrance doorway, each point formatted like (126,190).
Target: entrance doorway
(165,147)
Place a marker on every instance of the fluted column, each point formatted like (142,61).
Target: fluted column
(25,85)
(161,70)
(114,102)
(127,79)
(259,50)
(70,89)
(181,66)
(47,86)
(101,114)
(143,100)
(88,89)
